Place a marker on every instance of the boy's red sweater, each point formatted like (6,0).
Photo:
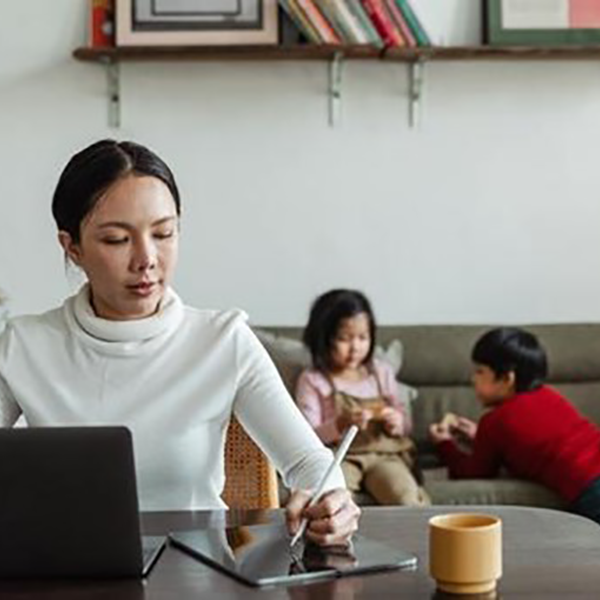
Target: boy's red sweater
(536,435)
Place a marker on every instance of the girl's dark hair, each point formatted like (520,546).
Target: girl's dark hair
(507,349)
(90,173)
(326,314)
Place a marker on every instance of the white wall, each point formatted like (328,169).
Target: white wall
(490,212)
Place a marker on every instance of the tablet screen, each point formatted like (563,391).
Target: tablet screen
(261,554)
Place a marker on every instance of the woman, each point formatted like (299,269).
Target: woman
(125,350)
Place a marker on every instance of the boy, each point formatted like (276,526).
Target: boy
(530,428)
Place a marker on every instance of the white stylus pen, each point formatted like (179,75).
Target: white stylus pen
(340,453)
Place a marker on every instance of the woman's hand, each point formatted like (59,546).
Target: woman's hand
(393,421)
(331,521)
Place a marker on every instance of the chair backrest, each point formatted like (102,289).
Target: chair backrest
(250,479)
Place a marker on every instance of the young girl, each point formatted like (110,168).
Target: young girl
(348,386)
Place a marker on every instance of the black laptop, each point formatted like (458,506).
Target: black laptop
(68,505)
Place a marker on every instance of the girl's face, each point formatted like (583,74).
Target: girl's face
(490,388)
(351,343)
(128,247)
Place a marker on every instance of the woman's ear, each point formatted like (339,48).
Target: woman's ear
(72,250)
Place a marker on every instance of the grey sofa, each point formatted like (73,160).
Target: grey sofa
(436,363)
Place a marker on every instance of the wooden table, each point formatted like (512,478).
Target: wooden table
(547,554)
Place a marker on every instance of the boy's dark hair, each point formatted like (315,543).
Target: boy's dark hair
(507,349)
(326,314)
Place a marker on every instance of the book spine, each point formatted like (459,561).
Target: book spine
(383,23)
(358,33)
(401,23)
(102,23)
(300,20)
(335,19)
(414,23)
(319,22)
(359,13)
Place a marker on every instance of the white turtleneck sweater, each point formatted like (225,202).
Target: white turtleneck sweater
(174,379)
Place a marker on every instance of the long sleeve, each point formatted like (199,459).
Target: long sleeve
(311,402)
(9,409)
(268,413)
(483,462)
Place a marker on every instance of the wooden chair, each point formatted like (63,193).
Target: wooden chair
(250,479)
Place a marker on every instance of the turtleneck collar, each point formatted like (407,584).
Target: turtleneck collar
(167,318)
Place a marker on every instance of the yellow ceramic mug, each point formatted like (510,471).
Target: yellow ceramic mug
(465,552)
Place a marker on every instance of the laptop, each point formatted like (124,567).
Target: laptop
(260,555)
(68,505)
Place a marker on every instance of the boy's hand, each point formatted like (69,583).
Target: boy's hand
(393,421)
(439,433)
(467,428)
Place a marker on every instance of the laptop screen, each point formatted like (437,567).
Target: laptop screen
(68,506)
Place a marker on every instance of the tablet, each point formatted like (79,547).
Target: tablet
(261,555)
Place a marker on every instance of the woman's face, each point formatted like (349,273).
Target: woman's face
(128,247)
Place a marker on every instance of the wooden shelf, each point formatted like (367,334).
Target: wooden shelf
(415,58)
(314,52)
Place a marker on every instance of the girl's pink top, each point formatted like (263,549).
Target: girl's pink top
(314,395)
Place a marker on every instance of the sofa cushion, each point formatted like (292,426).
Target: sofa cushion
(490,491)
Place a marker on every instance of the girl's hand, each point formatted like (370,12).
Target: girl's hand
(393,421)
(331,521)
(467,428)
(358,417)
(439,433)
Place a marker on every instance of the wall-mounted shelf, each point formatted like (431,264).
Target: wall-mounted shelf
(415,57)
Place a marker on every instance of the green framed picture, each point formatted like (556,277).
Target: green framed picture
(542,22)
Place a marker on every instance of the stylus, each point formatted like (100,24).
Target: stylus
(340,453)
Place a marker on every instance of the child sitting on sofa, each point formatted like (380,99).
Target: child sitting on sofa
(530,429)
(346,386)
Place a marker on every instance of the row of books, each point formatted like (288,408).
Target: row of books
(376,22)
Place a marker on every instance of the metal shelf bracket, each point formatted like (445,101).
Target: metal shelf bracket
(415,91)
(335,88)
(113,80)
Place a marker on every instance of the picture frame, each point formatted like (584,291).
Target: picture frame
(196,22)
(542,22)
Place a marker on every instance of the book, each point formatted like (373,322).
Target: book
(401,24)
(344,29)
(381,20)
(357,10)
(301,21)
(414,23)
(351,22)
(102,23)
(326,32)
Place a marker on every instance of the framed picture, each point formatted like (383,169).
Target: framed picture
(542,22)
(196,22)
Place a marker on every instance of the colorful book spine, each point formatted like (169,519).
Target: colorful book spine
(351,22)
(381,20)
(401,23)
(102,23)
(414,23)
(356,8)
(301,21)
(333,15)
(319,22)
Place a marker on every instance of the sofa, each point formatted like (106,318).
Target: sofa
(433,365)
